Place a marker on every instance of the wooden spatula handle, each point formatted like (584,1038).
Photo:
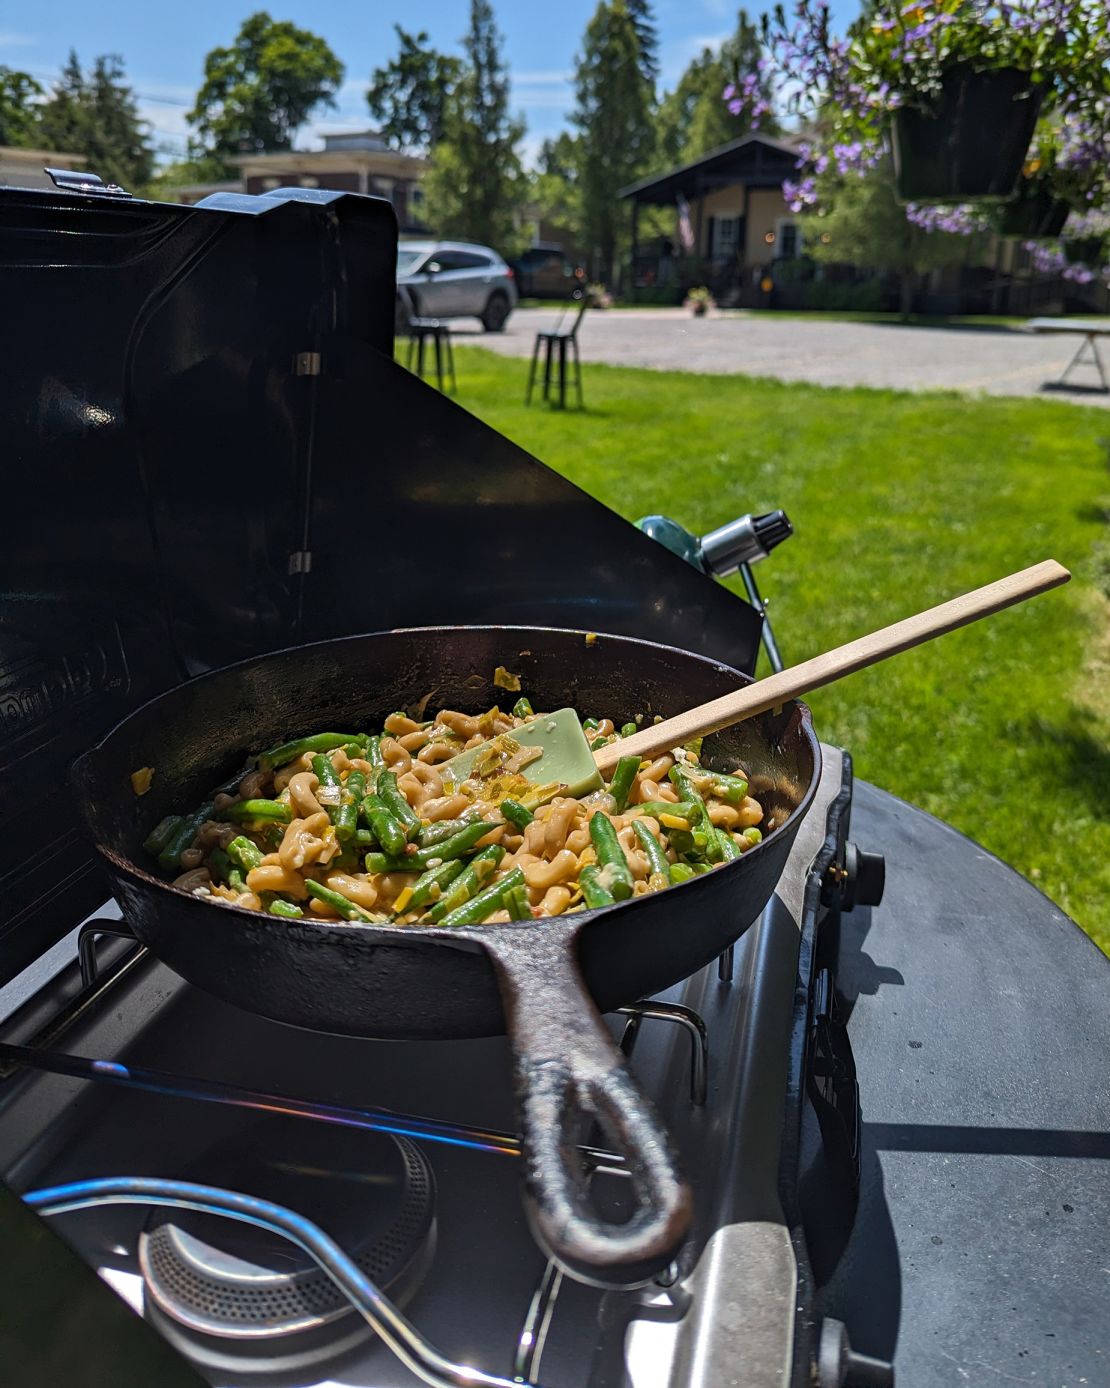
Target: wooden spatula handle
(833,665)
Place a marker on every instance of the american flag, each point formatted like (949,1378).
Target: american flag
(685,227)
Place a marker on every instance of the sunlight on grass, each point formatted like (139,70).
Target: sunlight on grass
(899,501)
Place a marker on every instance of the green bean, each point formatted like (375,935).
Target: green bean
(350,799)
(355,750)
(690,843)
(442,829)
(516,902)
(522,708)
(684,810)
(339,903)
(429,886)
(161,834)
(243,811)
(289,751)
(390,795)
(224,870)
(516,813)
(244,853)
(457,846)
(589,724)
(279,907)
(599,742)
(683,782)
(183,836)
(657,858)
(623,776)
(724,787)
(680,872)
(479,907)
(365,838)
(594,891)
(627,729)
(727,845)
(610,855)
(374,752)
(753,835)
(480,868)
(389,832)
(326,774)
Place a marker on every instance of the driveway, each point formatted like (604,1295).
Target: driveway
(996,361)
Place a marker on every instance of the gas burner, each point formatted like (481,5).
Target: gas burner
(241,1302)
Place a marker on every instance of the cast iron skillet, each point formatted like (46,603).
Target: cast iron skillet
(544,982)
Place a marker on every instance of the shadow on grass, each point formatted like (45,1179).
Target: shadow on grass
(1080,756)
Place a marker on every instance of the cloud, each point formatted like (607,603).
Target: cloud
(10,40)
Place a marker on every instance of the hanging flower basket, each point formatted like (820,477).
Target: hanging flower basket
(972,143)
(953,88)
(1035,212)
(1084,250)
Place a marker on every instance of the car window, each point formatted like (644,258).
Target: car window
(408,260)
(464,260)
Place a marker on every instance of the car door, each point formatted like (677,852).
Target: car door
(473,278)
(445,291)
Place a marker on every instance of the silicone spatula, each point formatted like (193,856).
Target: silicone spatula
(568,761)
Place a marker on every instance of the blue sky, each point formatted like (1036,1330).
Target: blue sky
(163,46)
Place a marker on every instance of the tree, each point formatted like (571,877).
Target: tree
(259,92)
(554,188)
(695,118)
(475,183)
(408,97)
(94,114)
(613,112)
(864,226)
(643,21)
(18,112)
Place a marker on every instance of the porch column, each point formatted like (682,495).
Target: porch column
(700,192)
(635,246)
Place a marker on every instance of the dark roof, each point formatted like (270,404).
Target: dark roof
(758,160)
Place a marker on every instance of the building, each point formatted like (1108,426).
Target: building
(357,162)
(25,168)
(731,220)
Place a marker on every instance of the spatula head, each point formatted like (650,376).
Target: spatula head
(566,759)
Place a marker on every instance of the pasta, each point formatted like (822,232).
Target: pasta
(365,828)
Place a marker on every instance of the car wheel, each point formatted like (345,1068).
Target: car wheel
(496,314)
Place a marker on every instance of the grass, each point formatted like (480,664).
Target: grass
(899,501)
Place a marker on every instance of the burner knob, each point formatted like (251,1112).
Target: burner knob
(866,877)
(839,1366)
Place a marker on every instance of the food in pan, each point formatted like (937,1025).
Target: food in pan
(363,827)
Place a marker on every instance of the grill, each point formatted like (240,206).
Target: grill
(193,397)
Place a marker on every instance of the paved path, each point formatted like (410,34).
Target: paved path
(825,353)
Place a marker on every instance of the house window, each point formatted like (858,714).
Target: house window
(788,240)
(726,236)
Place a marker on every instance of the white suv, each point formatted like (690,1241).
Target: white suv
(453,279)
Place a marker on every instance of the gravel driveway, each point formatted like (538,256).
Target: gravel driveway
(831,353)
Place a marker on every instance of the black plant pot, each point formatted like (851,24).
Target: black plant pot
(972,143)
(1085,250)
(1035,212)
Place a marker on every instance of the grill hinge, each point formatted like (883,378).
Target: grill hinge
(82,181)
(300,561)
(307,364)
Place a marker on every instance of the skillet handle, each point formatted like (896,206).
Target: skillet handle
(567,1067)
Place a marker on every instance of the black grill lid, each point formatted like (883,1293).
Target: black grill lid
(208,453)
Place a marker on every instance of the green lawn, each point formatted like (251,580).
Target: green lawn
(899,501)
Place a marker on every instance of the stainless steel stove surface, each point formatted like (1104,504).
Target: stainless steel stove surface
(712,1054)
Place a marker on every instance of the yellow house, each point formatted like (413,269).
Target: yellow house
(731,220)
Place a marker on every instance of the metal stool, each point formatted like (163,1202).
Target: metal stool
(419,331)
(555,342)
